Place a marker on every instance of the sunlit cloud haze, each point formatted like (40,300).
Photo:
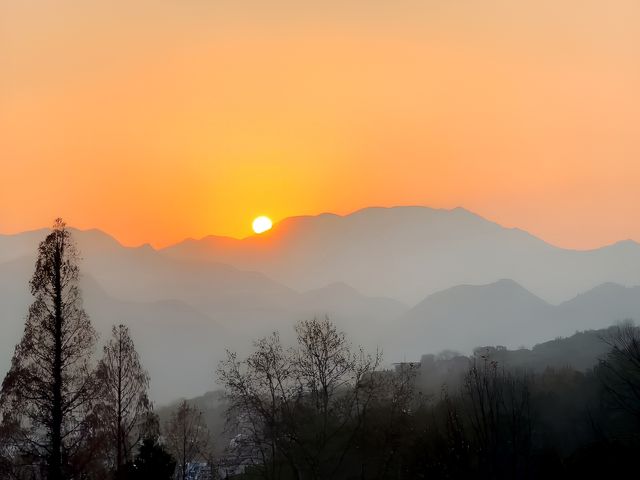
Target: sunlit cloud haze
(159,120)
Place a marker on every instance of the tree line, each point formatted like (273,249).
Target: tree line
(321,409)
(317,409)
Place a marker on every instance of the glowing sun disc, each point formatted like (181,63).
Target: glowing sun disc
(262,224)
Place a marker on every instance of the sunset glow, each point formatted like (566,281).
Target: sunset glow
(186,123)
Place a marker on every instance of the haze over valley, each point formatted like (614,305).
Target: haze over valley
(412,280)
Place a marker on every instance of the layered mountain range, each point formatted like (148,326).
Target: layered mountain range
(411,279)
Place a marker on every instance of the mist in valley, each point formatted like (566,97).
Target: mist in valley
(306,352)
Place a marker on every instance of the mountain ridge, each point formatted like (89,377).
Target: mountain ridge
(425,249)
(464,281)
(505,313)
(43,230)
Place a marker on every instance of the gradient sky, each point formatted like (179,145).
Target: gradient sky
(164,119)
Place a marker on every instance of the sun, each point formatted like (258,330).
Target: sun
(262,224)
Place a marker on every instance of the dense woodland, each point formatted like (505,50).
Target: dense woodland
(319,408)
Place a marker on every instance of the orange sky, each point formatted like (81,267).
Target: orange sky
(158,120)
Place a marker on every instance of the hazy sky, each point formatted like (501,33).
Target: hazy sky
(158,120)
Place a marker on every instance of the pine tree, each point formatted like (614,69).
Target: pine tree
(50,387)
(125,402)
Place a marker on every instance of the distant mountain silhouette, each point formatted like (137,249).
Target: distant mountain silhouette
(504,313)
(408,252)
(182,313)
(176,341)
(185,304)
(20,245)
(464,317)
(610,301)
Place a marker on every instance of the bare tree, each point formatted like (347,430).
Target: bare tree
(482,389)
(301,407)
(498,404)
(391,400)
(338,387)
(324,362)
(50,387)
(187,437)
(125,402)
(620,369)
(262,395)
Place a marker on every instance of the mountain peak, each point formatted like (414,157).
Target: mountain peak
(504,286)
(624,244)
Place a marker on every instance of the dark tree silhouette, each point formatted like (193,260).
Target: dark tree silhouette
(263,395)
(153,462)
(187,437)
(499,411)
(301,408)
(125,402)
(338,385)
(620,369)
(50,387)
